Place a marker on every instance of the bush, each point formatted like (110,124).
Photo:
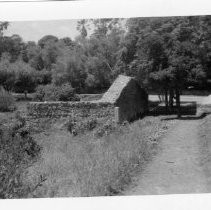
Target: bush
(40,93)
(99,127)
(7,101)
(106,128)
(25,79)
(20,76)
(7,76)
(56,93)
(17,152)
(81,126)
(66,93)
(43,77)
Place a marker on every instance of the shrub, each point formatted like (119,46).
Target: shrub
(20,76)
(56,93)
(17,152)
(7,101)
(81,126)
(66,93)
(24,77)
(7,77)
(71,124)
(40,93)
(43,77)
(105,129)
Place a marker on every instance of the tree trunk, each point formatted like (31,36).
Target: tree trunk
(159,96)
(166,101)
(25,94)
(171,99)
(178,103)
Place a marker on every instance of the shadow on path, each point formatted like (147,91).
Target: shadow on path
(188,112)
(193,117)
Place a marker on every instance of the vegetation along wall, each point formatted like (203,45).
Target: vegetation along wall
(81,109)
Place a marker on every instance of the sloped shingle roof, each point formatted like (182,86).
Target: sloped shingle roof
(115,90)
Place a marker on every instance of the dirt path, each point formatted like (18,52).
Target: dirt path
(177,167)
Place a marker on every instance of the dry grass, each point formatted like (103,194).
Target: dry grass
(87,166)
(7,101)
(205,146)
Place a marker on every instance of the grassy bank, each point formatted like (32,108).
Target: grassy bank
(88,166)
(18,151)
(205,146)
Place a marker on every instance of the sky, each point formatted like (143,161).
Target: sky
(35,30)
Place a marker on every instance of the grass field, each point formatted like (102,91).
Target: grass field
(205,145)
(87,165)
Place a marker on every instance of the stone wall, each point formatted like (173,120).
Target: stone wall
(64,109)
(130,100)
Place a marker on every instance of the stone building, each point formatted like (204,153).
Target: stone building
(129,98)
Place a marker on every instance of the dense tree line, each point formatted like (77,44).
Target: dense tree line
(168,54)
(165,54)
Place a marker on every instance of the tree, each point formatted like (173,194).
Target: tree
(3,26)
(25,80)
(46,40)
(13,45)
(100,51)
(7,77)
(165,52)
(51,48)
(49,55)
(81,27)
(32,54)
(68,42)
(70,68)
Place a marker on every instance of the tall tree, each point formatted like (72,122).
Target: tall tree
(166,52)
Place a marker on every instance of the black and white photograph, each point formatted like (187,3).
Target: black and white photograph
(93,107)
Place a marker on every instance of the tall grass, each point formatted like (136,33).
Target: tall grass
(89,166)
(7,101)
(205,147)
